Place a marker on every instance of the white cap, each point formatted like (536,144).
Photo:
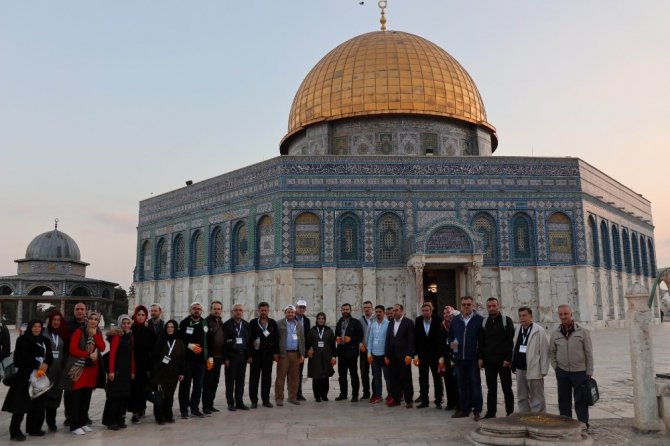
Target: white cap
(289,307)
(301,303)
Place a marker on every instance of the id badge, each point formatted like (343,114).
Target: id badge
(189,330)
(238,341)
(320,344)
(522,349)
(295,336)
(266,333)
(55,354)
(166,359)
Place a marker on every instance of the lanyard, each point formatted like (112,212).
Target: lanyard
(238,330)
(320,332)
(261,327)
(55,338)
(170,347)
(44,347)
(525,334)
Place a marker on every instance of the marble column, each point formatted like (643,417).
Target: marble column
(477,281)
(645,403)
(19,313)
(418,284)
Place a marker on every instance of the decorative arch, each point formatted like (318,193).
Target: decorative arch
(240,246)
(81,291)
(561,247)
(178,255)
(636,254)
(42,290)
(389,239)
(607,254)
(627,259)
(593,242)
(349,240)
(643,254)
(523,236)
(616,245)
(218,248)
(6,290)
(197,252)
(485,225)
(265,252)
(449,239)
(307,238)
(145,259)
(161,259)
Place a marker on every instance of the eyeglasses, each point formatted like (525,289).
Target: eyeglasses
(466,305)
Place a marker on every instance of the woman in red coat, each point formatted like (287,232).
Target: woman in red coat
(86,344)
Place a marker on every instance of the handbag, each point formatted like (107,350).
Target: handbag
(156,395)
(588,392)
(7,370)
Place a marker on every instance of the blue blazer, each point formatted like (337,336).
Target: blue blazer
(466,336)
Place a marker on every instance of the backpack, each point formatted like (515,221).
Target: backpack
(504,319)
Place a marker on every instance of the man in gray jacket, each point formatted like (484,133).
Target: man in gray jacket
(291,339)
(530,362)
(571,354)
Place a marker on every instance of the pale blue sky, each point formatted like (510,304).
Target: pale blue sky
(104,103)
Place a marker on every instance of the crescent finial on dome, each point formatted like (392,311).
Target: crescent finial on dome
(382,5)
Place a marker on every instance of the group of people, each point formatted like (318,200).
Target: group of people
(148,358)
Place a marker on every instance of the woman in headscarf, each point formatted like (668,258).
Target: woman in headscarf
(86,347)
(31,353)
(143,343)
(445,367)
(120,375)
(321,340)
(58,335)
(169,356)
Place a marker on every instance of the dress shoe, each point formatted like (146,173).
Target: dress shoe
(341,398)
(409,405)
(317,399)
(268,405)
(366,396)
(254,405)
(354,399)
(207,412)
(66,422)
(123,425)
(489,415)
(418,400)
(395,403)
(324,398)
(438,406)
(53,428)
(114,427)
(477,416)
(214,409)
(279,403)
(242,407)
(39,433)
(460,414)
(231,407)
(160,423)
(509,413)
(197,413)
(450,407)
(422,406)
(184,415)
(18,437)
(294,402)
(135,419)
(169,420)
(301,398)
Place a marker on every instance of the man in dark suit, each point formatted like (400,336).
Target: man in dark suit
(265,351)
(398,356)
(237,354)
(427,354)
(348,336)
(300,308)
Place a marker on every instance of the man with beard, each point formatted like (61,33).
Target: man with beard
(156,322)
(398,356)
(265,350)
(348,336)
(215,346)
(237,354)
(366,322)
(192,331)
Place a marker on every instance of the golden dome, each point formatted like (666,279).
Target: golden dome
(386,72)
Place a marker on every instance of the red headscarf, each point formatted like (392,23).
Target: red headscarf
(138,309)
(62,330)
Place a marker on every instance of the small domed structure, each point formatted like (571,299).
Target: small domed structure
(53,245)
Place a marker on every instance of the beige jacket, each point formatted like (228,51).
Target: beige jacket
(573,354)
(537,352)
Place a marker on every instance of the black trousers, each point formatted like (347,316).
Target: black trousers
(210,384)
(15,424)
(425,367)
(137,403)
(114,413)
(568,382)
(261,370)
(321,386)
(80,400)
(163,412)
(193,373)
(401,381)
(492,372)
(35,418)
(50,413)
(365,373)
(235,373)
(451,387)
(302,366)
(348,363)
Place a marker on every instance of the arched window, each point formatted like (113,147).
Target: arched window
(652,258)
(145,260)
(559,228)
(218,249)
(593,242)
(522,238)
(643,254)
(616,247)
(240,245)
(197,252)
(626,252)
(307,230)
(607,254)
(636,254)
(486,227)
(162,259)
(266,241)
(178,255)
(389,240)
(349,251)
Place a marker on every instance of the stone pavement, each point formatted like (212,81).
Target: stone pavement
(345,423)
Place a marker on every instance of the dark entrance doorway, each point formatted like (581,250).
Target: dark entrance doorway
(440,287)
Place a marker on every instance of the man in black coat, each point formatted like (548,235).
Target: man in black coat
(215,345)
(427,353)
(300,308)
(496,344)
(264,352)
(348,336)
(192,331)
(5,343)
(237,354)
(398,356)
